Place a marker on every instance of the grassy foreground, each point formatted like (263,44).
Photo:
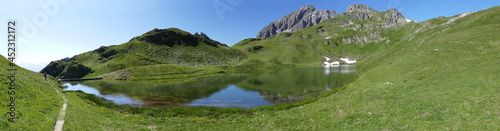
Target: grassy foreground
(37,102)
(444,78)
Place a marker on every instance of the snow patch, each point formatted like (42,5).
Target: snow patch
(327,59)
(327,63)
(387,83)
(346,60)
(410,20)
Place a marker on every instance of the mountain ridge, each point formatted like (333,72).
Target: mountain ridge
(175,36)
(296,20)
(306,16)
(175,46)
(155,47)
(354,34)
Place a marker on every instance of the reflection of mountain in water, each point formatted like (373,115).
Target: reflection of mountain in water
(163,92)
(119,99)
(292,85)
(279,99)
(340,69)
(232,96)
(249,90)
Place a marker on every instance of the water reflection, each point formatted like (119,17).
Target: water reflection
(340,68)
(119,99)
(230,90)
(232,96)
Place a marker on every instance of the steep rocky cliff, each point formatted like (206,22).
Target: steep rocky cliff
(304,17)
(308,16)
(64,70)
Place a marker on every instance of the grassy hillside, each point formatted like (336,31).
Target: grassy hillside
(37,102)
(158,46)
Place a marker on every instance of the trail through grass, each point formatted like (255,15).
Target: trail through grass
(58,126)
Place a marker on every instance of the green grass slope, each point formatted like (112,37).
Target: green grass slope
(37,102)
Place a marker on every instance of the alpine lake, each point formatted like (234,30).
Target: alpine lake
(241,90)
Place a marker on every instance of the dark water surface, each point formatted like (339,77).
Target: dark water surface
(229,90)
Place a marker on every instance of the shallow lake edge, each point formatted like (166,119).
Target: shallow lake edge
(200,111)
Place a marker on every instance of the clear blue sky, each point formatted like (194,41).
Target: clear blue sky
(72,27)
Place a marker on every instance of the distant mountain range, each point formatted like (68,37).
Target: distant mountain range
(304,17)
(303,37)
(308,16)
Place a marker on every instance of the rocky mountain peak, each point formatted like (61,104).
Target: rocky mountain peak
(358,12)
(306,16)
(307,7)
(395,17)
(360,8)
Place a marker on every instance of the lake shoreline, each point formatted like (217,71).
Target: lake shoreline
(215,112)
(156,108)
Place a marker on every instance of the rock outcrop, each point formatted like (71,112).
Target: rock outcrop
(173,36)
(308,16)
(395,17)
(65,70)
(385,19)
(55,68)
(304,17)
(359,8)
(357,12)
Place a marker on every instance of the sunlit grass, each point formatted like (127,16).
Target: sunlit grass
(37,102)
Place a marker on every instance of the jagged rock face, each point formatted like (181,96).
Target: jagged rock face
(75,70)
(358,12)
(60,69)
(359,8)
(304,17)
(55,68)
(395,17)
(385,19)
